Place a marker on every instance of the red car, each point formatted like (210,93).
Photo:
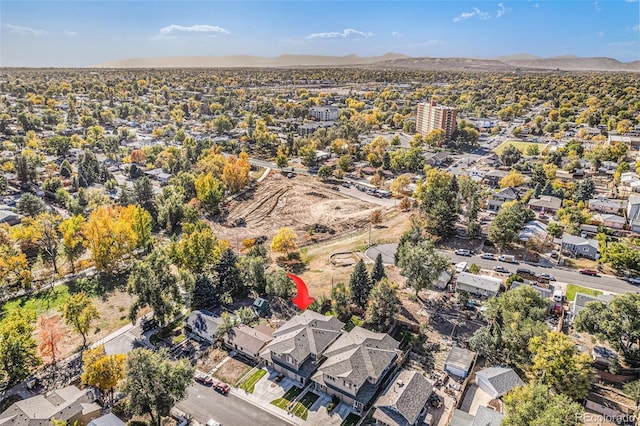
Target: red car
(203,379)
(591,272)
(222,387)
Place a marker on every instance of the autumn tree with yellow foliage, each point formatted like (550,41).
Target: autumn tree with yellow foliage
(72,238)
(110,235)
(235,175)
(101,370)
(284,241)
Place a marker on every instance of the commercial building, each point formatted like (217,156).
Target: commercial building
(432,116)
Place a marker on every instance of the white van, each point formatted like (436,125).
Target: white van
(558,296)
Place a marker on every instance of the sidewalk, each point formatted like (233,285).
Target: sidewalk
(287,418)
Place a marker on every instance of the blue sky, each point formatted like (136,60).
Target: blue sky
(84,33)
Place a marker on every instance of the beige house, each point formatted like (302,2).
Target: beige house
(356,366)
(69,403)
(246,340)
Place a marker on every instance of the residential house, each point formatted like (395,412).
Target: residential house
(497,381)
(533,230)
(9,217)
(502,196)
(480,285)
(437,159)
(107,420)
(580,247)
(356,366)
(459,361)
(404,403)
(204,324)
(546,203)
(298,345)
(581,300)
(612,221)
(632,140)
(70,404)
(310,128)
(493,177)
(545,291)
(484,417)
(633,213)
(443,280)
(605,205)
(247,340)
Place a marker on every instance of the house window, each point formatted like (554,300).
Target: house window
(585,249)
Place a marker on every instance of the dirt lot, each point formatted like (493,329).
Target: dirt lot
(320,271)
(298,203)
(232,370)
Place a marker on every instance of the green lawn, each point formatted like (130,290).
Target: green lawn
(572,289)
(287,397)
(40,302)
(301,408)
(522,146)
(250,383)
(351,420)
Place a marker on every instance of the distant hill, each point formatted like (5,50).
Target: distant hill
(247,61)
(520,61)
(574,63)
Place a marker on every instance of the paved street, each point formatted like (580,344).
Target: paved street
(203,403)
(603,282)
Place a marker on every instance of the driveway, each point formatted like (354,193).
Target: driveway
(388,252)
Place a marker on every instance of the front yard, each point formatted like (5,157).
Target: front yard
(232,370)
(351,420)
(286,399)
(301,408)
(249,383)
(572,289)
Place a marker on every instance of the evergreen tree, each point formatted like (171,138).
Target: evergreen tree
(206,291)
(378,273)
(384,304)
(340,301)
(360,284)
(229,274)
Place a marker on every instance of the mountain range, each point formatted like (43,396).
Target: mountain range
(520,61)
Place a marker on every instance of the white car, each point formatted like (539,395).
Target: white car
(461,267)
(212,422)
(488,256)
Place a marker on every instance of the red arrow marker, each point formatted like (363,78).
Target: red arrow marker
(302,300)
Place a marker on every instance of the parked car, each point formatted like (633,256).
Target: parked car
(203,379)
(290,175)
(222,387)
(461,267)
(149,324)
(507,258)
(547,276)
(591,272)
(346,185)
(635,280)
(212,422)
(488,256)
(501,269)
(463,252)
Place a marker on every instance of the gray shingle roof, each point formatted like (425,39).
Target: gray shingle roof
(359,355)
(500,378)
(305,334)
(248,338)
(487,417)
(460,358)
(404,400)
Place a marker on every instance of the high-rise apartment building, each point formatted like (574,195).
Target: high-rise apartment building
(432,116)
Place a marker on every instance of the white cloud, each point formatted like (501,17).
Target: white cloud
(19,29)
(429,43)
(597,6)
(397,34)
(347,33)
(636,28)
(173,31)
(70,33)
(501,10)
(600,34)
(466,15)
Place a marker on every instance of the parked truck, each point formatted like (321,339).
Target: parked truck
(509,258)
